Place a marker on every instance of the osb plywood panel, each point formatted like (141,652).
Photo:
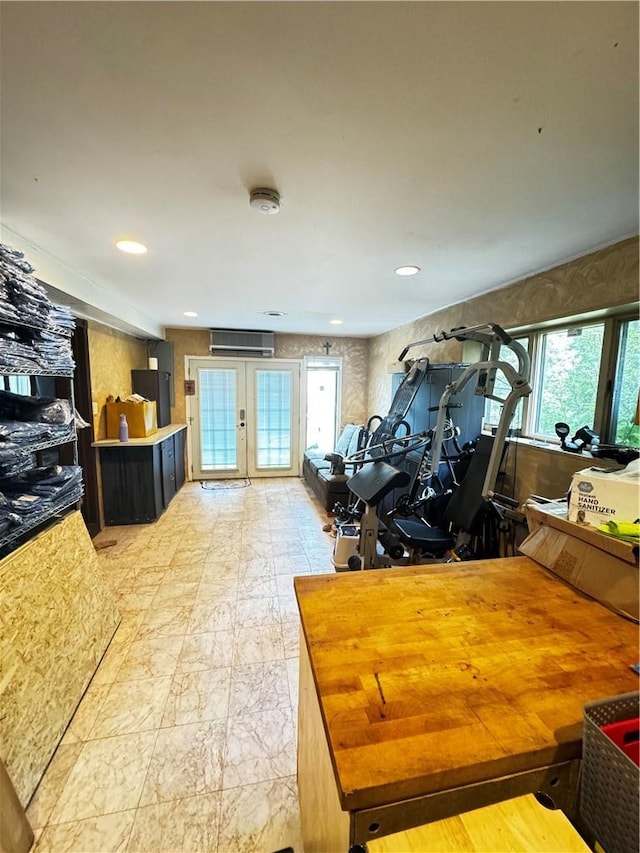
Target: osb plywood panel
(354,352)
(603,279)
(112,356)
(57,618)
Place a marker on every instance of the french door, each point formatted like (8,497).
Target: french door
(245,418)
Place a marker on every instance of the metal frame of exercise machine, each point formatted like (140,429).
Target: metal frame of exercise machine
(492,338)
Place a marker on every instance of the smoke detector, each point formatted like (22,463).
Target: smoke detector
(265,200)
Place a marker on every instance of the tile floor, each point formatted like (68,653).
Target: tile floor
(185,740)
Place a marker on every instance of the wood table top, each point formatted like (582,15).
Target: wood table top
(431,677)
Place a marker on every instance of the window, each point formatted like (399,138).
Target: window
(584,374)
(566,378)
(625,409)
(18,384)
(218,406)
(502,388)
(323,395)
(273,423)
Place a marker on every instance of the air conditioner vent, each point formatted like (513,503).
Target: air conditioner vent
(242,343)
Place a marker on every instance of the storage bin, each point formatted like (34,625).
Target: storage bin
(626,735)
(610,779)
(141,418)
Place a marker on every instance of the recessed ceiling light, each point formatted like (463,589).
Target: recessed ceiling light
(410,270)
(189,313)
(132,247)
(274,313)
(336,322)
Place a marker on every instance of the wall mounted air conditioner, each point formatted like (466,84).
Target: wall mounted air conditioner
(241,343)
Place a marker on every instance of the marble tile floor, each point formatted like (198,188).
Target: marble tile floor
(185,740)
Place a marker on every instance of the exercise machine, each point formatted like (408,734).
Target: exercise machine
(480,495)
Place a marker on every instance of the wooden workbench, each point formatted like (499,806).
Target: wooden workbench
(431,690)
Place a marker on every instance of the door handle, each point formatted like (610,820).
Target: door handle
(242,415)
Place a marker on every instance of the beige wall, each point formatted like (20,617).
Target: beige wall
(112,357)
(354,351)
(355,367)
(603,279)
(185,342)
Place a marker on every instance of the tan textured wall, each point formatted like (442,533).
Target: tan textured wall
(185,342)
(603,279)
(546,471)
(355,367)
(354,351)
(58,616)
(112,355)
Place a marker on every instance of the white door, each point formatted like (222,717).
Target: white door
(245,418)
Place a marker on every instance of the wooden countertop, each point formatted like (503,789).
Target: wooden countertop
(149,441)
(430,677)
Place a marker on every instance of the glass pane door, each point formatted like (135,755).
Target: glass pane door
(245,418)
(273,419)
(219,435)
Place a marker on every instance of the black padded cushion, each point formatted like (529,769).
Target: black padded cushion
(375,480)
(420,535)
(467,502)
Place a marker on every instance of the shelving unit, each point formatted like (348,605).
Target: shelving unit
(29,525)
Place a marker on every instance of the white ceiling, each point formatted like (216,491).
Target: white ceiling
(480,141)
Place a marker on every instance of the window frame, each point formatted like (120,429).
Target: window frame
(537,373)
(517,426)
(320,362)
(614,324)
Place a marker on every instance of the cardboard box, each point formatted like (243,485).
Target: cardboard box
(141,418)
(602,567)
(599,495)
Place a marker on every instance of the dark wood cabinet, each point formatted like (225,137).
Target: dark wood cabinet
(140,478)
(168,464)
(154,385)
(178,443)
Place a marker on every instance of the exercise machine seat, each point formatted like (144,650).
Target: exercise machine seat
(420,535)
(375,480)
(463,509)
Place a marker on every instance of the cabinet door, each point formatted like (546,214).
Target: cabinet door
(178,444)
(167,453)
(154,385)
(131,485)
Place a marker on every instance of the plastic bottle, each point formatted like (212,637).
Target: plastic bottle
(124,428)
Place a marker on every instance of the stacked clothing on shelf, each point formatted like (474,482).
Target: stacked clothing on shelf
(8,311)
(45,410)
(62,318)
(24,301)
(14,259)
(54,351)
(25,292)
(12,460)
(27,420)
(30,298)
(23,434)
(38,493)
(34,351)
(17,353)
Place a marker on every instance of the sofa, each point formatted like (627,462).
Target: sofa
(316,469)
